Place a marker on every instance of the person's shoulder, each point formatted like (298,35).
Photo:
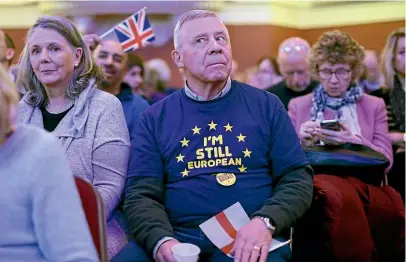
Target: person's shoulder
(101,100)
(166,103)
(277,88)
(301,101)
(139,100)
(42,141)
(371,100)
(255,93)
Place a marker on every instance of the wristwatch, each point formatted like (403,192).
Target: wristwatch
(268,224)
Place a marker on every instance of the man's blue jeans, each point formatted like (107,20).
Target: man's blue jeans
(134,253)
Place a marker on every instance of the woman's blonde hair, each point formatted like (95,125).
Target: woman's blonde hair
(85,70)
(388,56)
(8,104)
(336,47)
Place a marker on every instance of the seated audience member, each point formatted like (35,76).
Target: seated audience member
(135,74)
(393,63)
(153,88)
(293,65)
(372,78)
(268,72)
(7,51)
(336,60)
(172,189)
(111,58)
(62,97)
(165,73)
(250,76)
(41,213)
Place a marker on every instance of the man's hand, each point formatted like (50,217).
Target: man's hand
(252,242)
(164,253)
(92,41)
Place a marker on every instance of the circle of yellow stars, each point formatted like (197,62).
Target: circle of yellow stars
(213,126)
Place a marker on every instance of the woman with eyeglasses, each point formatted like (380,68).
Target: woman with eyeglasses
(336,61)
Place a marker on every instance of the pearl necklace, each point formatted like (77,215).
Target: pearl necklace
(70,105)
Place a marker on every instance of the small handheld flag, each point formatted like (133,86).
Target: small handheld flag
(134,32)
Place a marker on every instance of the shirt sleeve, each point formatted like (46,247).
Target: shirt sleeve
(111,151)
(285,151)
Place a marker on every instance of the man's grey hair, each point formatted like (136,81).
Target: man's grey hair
(189,16)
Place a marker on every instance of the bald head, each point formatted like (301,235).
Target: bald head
(111,58)
(293,48)
(292,60)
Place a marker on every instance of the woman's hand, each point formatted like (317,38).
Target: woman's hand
(397,138)
(330,137)
(307,133)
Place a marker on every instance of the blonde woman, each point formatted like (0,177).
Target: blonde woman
(41,213)
(393,68)
(62,97)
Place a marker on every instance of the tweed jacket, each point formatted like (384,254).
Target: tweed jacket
(96,140)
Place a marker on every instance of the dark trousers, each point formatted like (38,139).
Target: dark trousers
(134,253)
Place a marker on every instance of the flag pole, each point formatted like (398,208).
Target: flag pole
(112,29)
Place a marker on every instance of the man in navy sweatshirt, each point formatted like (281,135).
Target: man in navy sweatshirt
(204,148)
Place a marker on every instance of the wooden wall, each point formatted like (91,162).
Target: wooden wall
(250,43)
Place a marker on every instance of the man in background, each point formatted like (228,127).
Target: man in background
(111,58)
(293,66)
(372,78)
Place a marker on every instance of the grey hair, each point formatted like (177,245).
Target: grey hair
(189,16)
(85,70)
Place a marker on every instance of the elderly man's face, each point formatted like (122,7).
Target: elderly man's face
(205,52)
(295,71)
(372,65)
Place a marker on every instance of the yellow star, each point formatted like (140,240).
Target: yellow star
(241,138)
(242,169)
(228,127)
(185,173)
(185,142)
(179,158)
(247,153)
(196,130)
(212,126)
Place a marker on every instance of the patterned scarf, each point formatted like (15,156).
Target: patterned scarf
(397,100)
(321,100)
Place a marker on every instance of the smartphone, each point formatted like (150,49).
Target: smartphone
(331,125)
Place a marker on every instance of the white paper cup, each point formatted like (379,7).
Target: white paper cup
(185,252)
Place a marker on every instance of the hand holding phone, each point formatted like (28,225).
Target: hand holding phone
(333,125)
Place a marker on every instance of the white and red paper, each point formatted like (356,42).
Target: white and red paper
(222,228)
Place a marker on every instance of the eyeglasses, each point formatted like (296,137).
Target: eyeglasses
(341,73)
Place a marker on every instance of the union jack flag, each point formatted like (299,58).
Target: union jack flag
(135,32)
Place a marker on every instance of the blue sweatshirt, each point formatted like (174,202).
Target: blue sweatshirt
(213,154)
(133,107)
